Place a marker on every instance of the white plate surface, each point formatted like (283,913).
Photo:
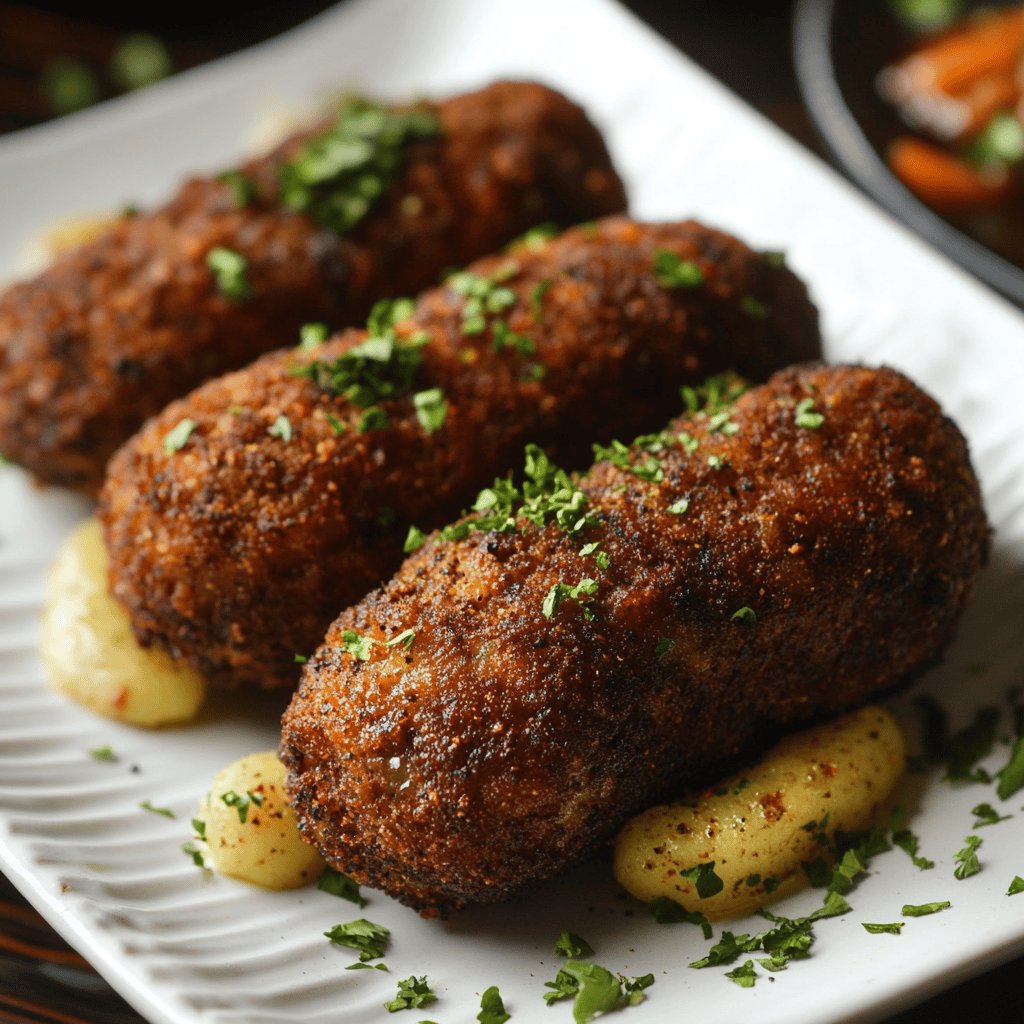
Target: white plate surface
(183,949)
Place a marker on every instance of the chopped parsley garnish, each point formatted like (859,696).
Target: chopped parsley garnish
(492,1009)
(312,336)
(678,508)
(960,751)
(337,883)
(744,614)
(745,976)
(165,812)
(230,272)
(1001,141)
(140,60)
(705,880)
(717,394)
(1011,775)
(594,989)
(412,992)
(300,659)
(373,418)
(242,188)
(191,850)
(986,814)
(1016,886)
(926,15)
(242,802)
(672,271)
(774,258)
(537,293)
(893,928)
(337,426)
(177,437)
(414,540)
(562,592)
(924,909)
(755,307)
(505,337)
(663,646)
(199,827)
(667,911)
(282,428)
(805,416)
(405,639)
(337,176)
(536,238)
(571,945)
(104,753)
(908,842)
(967,858)
(356,644)
(431,409)
(485,296)
(369,939)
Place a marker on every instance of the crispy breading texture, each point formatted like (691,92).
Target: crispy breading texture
(503,745)
(117,328)
(236,552)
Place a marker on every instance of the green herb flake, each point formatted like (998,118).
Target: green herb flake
(374,418)
(593,989)
(312,336)
(562,592)
(705,880)
(177,437)
(745,976)
(404,639)
(165,812)
(243,189)
(967,858)
(1011,775)
(908,842)
(70,85)
(774,258)
(484,296)
(1016,886)
(195,854)
(926,15)
(744,614)
(633,988)
(412,992)
(241,802)
(663,646)
(834,905)
(924,909)
(678,508)
(755,307)
(805,416)
(537,293)
(414,540)
(534,239)
(667,911)
(230,271)
(300,659)
(199,827)
(986,814)
(337,883)
(369,939)
(672,271)
(431,409)
(104,753)
(571,945)
(356,644)
(282,428)
(1000,143)
(892,928)
(492,1009)
(140,60)
(338,175)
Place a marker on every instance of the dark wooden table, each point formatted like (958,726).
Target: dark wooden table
(744,43)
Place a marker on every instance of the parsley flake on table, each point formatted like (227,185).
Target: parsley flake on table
(967,858)
(164,812)
(573,946)
(492,1009)
(594,989)
(199,827)
(230,273)
(907,841)
(177,437)
(924,909)
(745,976)
(672,271)
(191,850)
(412,992)
(338,175)
(241,802)
(1011,775)
(369,939)
(337,883)
(986,814)
(282,428)
(1016,886)
(104,753)
(667,911)
(892,928)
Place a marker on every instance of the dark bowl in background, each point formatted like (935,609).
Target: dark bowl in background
(838,47)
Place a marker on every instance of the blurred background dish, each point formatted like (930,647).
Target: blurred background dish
(918,101)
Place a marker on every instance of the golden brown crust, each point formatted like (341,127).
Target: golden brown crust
(119,327)
(237,551)
(504,745)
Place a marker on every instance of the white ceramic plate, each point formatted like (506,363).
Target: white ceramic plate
(111,877)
